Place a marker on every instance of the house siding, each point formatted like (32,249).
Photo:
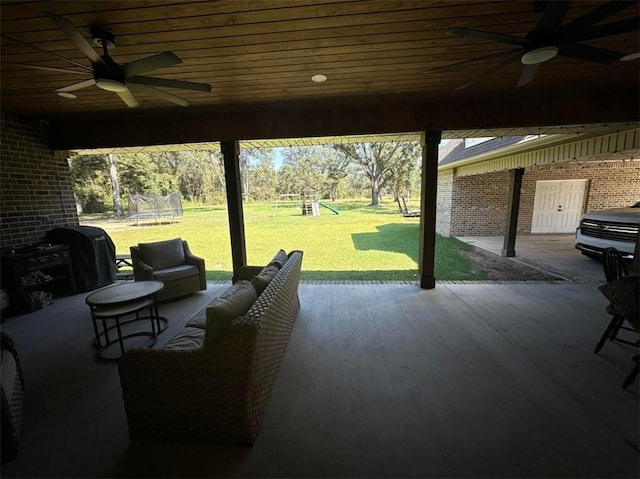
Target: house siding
(36,194)
(478,203)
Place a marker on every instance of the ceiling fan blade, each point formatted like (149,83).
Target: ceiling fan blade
(36,67)
(144,65)
(184,85)
(162,94)
(495,37)
(35,47)
(76,37)
(553,16)
(614,28)
(476,59)
(490,70)
(77,86)
(594,16)
(127,97)
(528,73)
(589,53)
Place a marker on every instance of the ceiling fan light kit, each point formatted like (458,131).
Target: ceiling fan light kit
(539,55)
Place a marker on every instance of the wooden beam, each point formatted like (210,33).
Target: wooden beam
(428,195)
(298,119)
(515,185)
(231,154)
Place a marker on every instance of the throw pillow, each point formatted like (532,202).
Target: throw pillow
(280,258)
(220,312)
(163,254)
(262,280)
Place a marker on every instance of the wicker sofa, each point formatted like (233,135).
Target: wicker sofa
(172,263)
(212,381)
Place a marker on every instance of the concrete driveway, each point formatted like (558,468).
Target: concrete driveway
(553,253)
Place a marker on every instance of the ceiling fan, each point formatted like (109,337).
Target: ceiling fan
(111,76)
(550,38)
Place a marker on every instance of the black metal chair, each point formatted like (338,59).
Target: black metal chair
(614,268)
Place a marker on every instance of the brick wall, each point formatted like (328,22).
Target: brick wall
(479,202)
(443,204)
(35,187)
(611,185)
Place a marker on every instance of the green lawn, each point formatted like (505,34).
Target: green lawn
(360,243)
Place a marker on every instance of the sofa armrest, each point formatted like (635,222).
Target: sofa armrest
(7,344)
(11,397)
(190,258)
(248,272)
(141,270)
(202,272)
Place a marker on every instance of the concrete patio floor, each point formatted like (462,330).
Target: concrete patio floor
(553,253)
(379,380)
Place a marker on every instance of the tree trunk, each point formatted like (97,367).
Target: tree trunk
(375,192)
(333,194)
(115,185)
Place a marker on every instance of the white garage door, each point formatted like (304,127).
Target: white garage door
(558,206)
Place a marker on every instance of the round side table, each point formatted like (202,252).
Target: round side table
(121,305)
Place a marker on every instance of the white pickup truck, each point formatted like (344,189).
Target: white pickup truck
(616,228)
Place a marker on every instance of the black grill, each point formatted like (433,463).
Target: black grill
(609,230)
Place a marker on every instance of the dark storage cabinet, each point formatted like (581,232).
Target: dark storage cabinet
(43,268)
(93,255)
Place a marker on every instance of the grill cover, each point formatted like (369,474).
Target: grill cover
(93,255)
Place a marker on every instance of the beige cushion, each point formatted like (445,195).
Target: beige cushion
(199,320)
(223,310)
(262,280)
(162,254)
(187,339)
(176,272)
(279,259)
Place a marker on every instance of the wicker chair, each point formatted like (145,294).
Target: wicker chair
(172,263)
(11,399)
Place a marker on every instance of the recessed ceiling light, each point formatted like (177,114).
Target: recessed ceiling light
(318,78)
(64,94)
(630,56)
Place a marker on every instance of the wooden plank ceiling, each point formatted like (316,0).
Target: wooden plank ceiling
(267,50)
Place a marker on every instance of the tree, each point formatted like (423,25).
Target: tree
(379,161)
(302,167)
(90,178)
(256,164)
(336,167)
(115,185)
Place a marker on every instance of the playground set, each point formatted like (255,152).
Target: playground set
(307,200)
